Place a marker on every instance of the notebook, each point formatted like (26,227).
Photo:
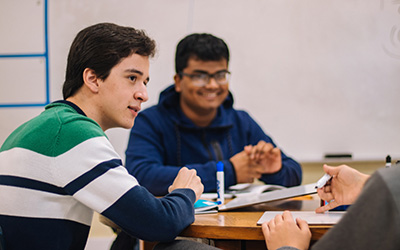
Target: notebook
(244,201)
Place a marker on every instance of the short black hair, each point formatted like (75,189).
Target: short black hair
(100,47)
(204,47)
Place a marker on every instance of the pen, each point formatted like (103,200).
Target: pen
(388,161)
(324,179)
(220,183)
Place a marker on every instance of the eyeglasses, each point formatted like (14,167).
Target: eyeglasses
(202,79)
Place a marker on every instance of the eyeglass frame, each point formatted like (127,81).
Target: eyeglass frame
(209,76)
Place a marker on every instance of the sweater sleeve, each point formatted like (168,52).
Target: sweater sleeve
(142,215)
(102,183)
(145,156)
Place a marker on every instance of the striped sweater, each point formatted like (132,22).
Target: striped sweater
(58,168)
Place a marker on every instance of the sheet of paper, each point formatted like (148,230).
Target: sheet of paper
(311,217)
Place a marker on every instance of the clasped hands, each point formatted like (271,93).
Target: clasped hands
(255,160)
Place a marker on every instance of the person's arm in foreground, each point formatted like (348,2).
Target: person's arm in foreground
(344,187)
(372,222)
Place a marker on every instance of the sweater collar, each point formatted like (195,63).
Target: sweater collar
(72,105)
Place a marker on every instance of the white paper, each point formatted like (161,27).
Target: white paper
(328,218)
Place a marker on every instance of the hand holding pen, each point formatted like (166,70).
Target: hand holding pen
(342,189)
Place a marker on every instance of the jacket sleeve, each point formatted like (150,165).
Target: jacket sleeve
(145,156)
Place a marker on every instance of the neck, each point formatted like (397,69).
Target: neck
(87,108)
(201,118)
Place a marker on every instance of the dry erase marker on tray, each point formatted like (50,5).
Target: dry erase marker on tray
(388,161)
(220,183)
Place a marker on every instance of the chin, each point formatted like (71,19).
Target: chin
(127,125)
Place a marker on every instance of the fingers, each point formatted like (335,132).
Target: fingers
(264,151)
(260,149)
(325,193)
(188,179)
(303,225)
(332,204)
(278,219)
(287,216)
(248,149)
(265,229)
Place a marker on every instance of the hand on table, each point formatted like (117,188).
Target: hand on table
(188,179)
(283,230)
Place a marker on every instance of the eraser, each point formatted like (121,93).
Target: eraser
(339,155)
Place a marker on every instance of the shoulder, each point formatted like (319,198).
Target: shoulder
(240,116)
(388,177)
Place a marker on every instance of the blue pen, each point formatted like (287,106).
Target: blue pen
(220,183)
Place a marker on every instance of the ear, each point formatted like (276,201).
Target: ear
(90,80)
(177,79)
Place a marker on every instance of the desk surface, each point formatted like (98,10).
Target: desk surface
(241,224)
(238,229)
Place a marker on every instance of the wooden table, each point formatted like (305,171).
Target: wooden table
(238,229)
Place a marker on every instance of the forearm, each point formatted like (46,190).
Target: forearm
(142,215)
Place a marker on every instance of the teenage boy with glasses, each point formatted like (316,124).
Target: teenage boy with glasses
(195,125)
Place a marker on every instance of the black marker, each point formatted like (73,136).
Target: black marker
(388,161)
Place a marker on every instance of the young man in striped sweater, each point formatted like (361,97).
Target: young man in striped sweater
(59,167)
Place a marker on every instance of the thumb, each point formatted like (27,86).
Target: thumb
(331,170)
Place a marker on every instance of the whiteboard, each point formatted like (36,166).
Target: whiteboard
(318,76)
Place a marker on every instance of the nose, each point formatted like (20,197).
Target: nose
(141,94)
(212,83)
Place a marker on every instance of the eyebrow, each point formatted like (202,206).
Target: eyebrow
(205,72)
(137,72)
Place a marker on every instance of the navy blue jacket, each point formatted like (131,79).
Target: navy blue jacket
(163,139)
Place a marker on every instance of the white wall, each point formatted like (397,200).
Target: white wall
(319,76)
